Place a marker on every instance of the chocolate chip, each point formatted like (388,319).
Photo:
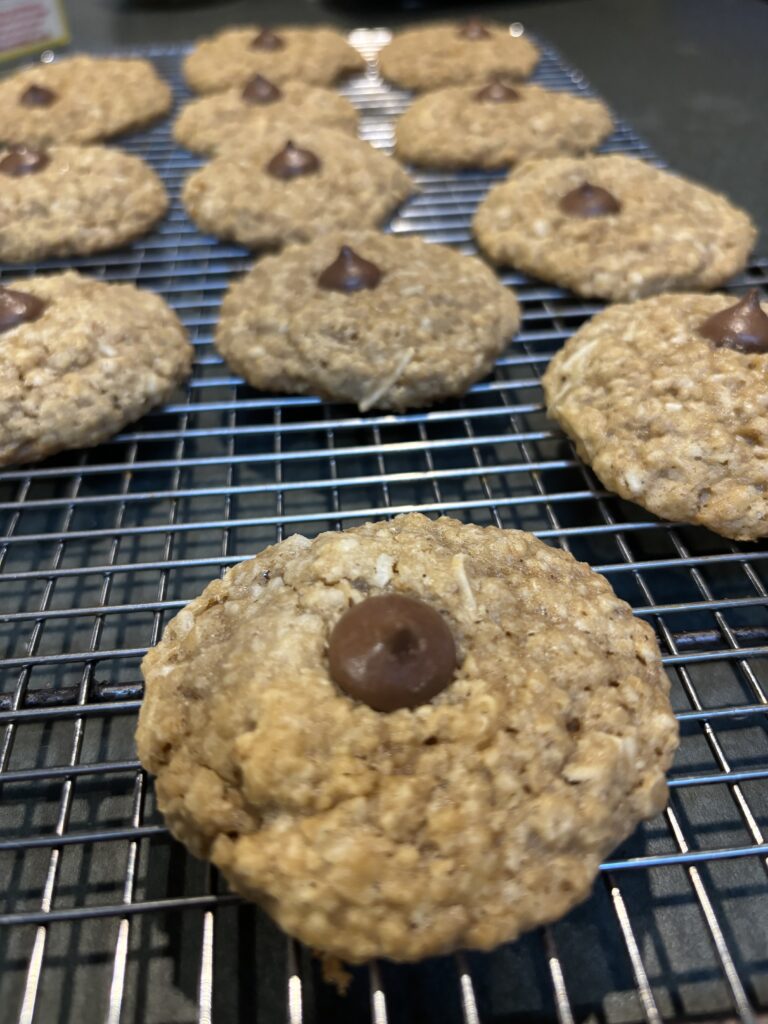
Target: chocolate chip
(589,201)
(260,90)
(392,652)
(267,40)
(37,96)
(18,308)
(349,273)
(743,327)
(291,162)
(21,160)
(497,92)
(473,28)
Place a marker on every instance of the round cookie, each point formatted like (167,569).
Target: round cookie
(431,324)
(497,124)
(81,358)
(80,99)
(628,229)
(205,124)
(281,184)
(458,823)
(455,53)
(665,416)
(73,200)
(318,56)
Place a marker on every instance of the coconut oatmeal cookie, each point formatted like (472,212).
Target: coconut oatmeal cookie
(379,320)
(612,227)
(279,184)
(317,55)
(409,737)
(455,53)
(81,358)
(80,99)
(666,399)
(74,200)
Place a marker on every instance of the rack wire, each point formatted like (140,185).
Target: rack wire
(104,917)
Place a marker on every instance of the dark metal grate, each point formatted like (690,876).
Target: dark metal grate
(105,919)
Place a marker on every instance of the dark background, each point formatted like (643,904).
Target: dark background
(689,75)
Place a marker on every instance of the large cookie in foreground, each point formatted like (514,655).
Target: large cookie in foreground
(498,124)
(80,99)
(81,359)
(612,227)
(457,822)
(316,55)
(279,184)
(456,53)
(383,321)
(74,200)
(210,122)
(667,412)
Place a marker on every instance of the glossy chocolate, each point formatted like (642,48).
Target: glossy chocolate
(293,162)
(18,308)
(267,40)
(37,96)
(392,652)
(497,92)
(473,28)
(21,160)
(743,326)
(349,273)
(589,201)
(260,90)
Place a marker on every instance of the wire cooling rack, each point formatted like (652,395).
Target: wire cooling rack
(105,918)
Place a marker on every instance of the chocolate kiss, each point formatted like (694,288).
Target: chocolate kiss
(18,308)
(589,201)
(291,162)
(260,90)
(267,40)
(743,327)
(349,273)
(21,160)
(37,96)
(497,92)
(473,28)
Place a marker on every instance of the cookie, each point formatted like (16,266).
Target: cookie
(456,53)
(204,125)
(408,737)
(668,412)
(612,227)
(80,99)
(280,184)
(387,322)
(73,200)
(318,56)
(81,358)
(496,124)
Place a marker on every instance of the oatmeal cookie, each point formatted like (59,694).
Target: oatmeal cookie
(612,227)
(81,359)
(205,124)
(318,56)
(497,124)
(73,200)
(480,807)
(80,99)
(422,325)
(281,184)
(456,53)
(665,415)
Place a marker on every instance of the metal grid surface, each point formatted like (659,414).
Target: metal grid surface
(104,917)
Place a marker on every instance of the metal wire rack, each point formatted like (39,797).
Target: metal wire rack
(104,917)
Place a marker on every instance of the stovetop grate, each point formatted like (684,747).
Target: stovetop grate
(105,918)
